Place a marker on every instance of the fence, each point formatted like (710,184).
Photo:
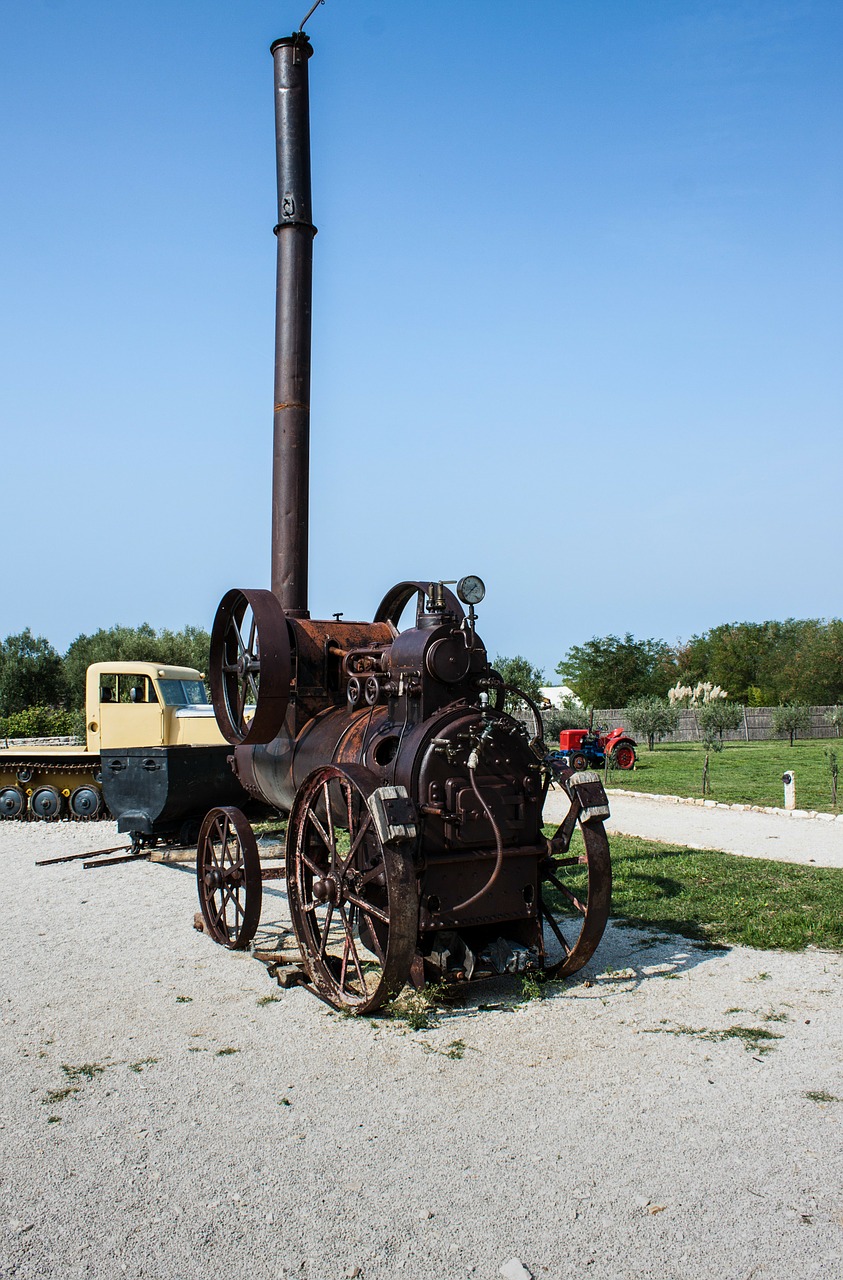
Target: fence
(757,725)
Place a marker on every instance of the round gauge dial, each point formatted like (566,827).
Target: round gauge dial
(471,589)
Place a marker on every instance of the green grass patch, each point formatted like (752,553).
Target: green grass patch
(742,773)
(224,1053)
(820,1095)
(718,898)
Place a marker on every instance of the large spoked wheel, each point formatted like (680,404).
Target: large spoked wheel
(353,900)
(250,666)
(576,897)
(228,876)
(623,755)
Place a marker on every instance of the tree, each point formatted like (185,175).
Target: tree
(189,647)
(791,718)
(715,718)
(31,674)
(835,719)
(653,717)
(521,674)
(609,671)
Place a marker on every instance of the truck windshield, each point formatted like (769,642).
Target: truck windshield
(183,693)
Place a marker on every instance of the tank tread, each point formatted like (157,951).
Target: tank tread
(44,766)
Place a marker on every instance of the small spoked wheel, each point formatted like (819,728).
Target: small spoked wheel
(353,900)
(576,896)
(228,876)
(579,762)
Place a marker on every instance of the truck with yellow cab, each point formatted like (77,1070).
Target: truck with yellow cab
(152,756)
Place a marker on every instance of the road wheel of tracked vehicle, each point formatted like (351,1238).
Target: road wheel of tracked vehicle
(228,876)
(576,896)
(623,756)
(250,665)
(353,900)
(85,802)
(579,762)
(46,803)
(12,802)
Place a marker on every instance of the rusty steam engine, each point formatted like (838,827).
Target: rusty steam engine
(414,843)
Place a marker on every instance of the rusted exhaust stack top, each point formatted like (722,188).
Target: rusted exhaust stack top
(294,293)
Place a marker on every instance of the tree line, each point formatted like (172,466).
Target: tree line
(759,664)
(34,674)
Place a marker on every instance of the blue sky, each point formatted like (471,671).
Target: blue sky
(577,318)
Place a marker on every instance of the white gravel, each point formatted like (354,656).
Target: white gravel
(606,1132)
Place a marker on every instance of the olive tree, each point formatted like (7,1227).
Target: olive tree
(791,718)
(652,717)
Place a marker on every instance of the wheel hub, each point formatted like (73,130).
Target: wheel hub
(327,889)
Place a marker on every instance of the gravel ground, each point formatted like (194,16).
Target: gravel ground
(217,1125)
(778,836)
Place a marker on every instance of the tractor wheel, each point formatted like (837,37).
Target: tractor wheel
(623,756)
(579,762)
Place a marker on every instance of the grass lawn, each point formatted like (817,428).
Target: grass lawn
(720,898)
(742,773)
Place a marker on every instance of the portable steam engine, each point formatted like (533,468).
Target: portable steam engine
(414,843)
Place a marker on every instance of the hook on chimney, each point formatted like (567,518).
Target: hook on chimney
(310,13)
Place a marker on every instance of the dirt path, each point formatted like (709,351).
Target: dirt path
(752,835)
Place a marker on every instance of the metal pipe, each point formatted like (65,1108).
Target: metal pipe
(294,233)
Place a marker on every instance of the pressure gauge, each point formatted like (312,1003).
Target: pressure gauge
(471,589)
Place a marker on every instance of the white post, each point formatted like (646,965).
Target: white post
(789,780)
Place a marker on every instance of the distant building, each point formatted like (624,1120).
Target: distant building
(558,694)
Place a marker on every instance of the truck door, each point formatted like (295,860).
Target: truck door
(130,713)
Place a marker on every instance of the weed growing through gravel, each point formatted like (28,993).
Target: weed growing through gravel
(533,986)
(455,1050)
(58,1095)
(223,1053)
(264,1000)
(418,1009)
(754,1039)
(53,1119)
(184,999)
(86,1070)
(141,1064)
(819,1095)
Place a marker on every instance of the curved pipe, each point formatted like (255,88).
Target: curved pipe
(496,870)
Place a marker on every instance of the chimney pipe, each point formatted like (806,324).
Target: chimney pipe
(294,233)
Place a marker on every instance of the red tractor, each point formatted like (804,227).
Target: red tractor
(582,749)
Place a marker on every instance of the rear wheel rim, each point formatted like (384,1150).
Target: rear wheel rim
(578,919)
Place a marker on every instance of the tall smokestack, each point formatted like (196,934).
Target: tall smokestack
(294,232)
